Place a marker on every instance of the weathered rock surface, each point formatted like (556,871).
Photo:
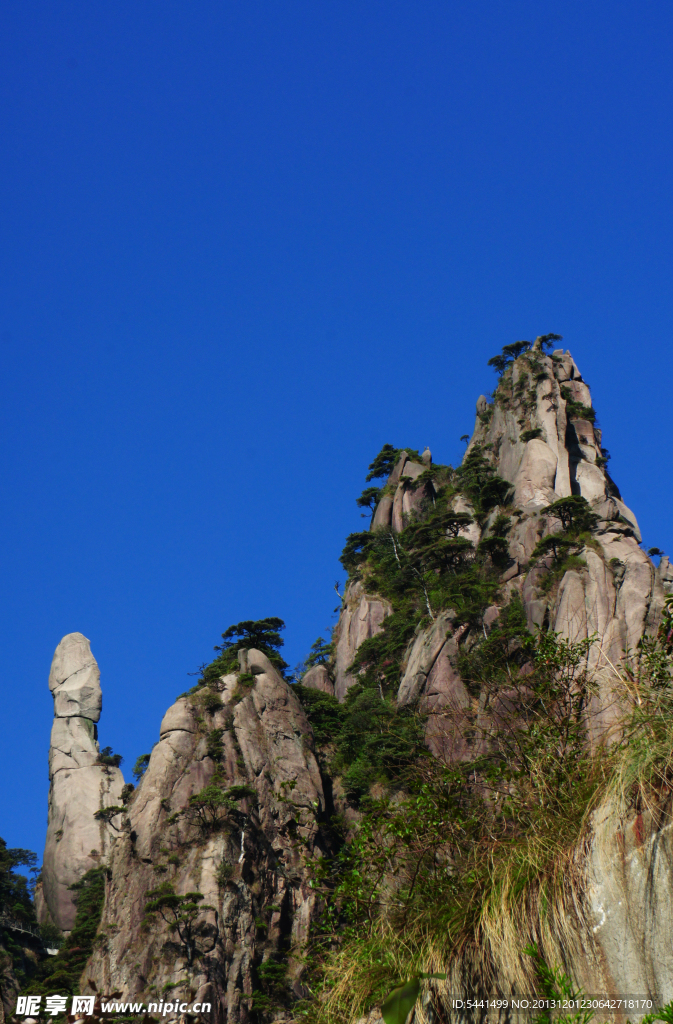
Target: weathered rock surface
(610,928)
(384,512)
(361,617)
(630,895)
(534,481)
(74,679)
(432,682)
(250,867)
(317,678)
(424,652)
(78,785)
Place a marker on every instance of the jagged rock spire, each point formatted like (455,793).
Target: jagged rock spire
(78,785)
(540,435)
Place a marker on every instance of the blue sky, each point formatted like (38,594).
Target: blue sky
(244,245)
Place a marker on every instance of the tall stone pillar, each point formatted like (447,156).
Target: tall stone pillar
(78,784)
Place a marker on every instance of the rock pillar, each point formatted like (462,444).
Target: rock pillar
(78,784)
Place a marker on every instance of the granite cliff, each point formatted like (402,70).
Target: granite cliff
(243,788)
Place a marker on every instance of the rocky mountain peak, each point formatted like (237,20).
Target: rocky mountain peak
(538,438)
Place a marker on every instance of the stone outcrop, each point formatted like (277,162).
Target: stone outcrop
(431,681)
(361,618)
(546,450)
(317,678)
(540,445)
(404,496)
(78,784)
(250,868)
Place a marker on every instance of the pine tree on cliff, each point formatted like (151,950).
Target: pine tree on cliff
(261,634)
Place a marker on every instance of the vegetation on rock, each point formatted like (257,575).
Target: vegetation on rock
(184,917)
(61,974)
(140,767)
(261,634)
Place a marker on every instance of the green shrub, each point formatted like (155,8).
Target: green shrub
(108,759)
(479,481)
(225,872)
(384,463)
(320,653)
(261,634)
(576,410)
(215,747)
(324,712)
(140,767)
(211,701)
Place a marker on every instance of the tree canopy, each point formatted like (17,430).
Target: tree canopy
(516,348)
(320,653)
(14,892)
(183,915)
(574,512)
(384,463)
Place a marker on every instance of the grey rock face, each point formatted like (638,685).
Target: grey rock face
(617,595)
(247,871)
(361,618)
(412,470)
(397,471)
(395,511)
(630,895)
(74,679)
(432,682)
(665,575)
(422,657)
(384,511)
(317,678)
(78,785)
(535,478)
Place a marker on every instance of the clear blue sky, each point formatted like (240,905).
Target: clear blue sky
(244,245)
